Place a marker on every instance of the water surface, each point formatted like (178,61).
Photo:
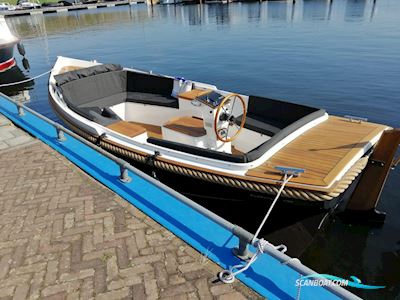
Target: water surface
(341,55)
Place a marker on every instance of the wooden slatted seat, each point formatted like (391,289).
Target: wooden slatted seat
(187,125)
(127,128)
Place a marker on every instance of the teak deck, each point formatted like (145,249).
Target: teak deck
(323,151)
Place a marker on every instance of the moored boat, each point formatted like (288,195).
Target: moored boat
(7,43)
(216,142)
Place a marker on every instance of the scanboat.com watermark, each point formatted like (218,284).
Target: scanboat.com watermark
(326,280)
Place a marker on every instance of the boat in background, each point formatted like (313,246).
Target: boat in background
(5,6)
(7,43)
(28,4)
(169,2)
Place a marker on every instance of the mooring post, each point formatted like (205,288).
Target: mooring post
(124,176)
(60,134)
(20,110)
(242,251)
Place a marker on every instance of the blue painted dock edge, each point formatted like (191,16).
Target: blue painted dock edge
(269,277)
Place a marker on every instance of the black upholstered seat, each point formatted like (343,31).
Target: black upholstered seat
(107,85)
(269,116)
(152,99)
(258,126)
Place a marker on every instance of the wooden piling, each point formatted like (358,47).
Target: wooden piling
(366,195)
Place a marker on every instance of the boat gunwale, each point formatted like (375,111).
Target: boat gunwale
(249,179)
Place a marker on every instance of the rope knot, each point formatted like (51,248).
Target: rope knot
(262,245)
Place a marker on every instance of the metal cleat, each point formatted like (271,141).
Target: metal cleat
(295,172)
(356,119)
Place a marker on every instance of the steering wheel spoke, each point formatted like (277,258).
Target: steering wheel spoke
(224,120)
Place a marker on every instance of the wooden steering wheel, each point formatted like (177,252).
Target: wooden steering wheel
(224,119)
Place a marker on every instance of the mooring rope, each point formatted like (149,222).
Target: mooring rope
(26,80)
(286,179)
(228,276)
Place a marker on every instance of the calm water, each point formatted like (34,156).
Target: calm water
(343,56)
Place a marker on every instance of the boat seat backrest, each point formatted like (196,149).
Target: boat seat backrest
(83,92)
(149,83)
(85,72)
(277,113)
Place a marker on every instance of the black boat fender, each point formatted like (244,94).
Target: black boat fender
(26,64)
(21,49)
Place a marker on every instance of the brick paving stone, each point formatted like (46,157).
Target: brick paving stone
(63,235)
(4,121)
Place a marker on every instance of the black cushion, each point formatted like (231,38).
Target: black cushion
(269,116)
(86,111)
(85,91)
(258,126)
(148,83)
(152,99)
(82,73)
(198,151)
(276,112)
(102,120)
(106,101)
(108,113)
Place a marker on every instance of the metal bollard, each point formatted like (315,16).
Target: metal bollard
(242,251)
(20,110)
(124,176)
(60,134)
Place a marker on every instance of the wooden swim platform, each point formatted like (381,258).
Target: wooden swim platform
(325,152)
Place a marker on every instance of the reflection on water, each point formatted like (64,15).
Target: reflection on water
(342,55)
(355,10)
(316,10)
(193,15)
(277,11)
(20,91)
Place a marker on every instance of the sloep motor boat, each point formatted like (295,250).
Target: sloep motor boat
(7,43)
(222,143)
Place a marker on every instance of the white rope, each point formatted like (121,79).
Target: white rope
(26,80)
(286,179)
(228,276)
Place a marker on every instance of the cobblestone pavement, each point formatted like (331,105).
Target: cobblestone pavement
(12,137)
(63,235)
